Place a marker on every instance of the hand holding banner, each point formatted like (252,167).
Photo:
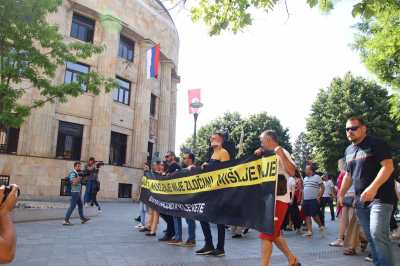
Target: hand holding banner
(238,192)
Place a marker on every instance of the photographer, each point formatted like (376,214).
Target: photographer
(8,238)
(91,172)
(75,180)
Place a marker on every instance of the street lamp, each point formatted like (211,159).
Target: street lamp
(196,108)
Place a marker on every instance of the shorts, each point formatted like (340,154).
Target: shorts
(280,213)
(311,208)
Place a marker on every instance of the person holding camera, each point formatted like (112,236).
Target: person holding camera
(76,187)
(91,172)
(8,238)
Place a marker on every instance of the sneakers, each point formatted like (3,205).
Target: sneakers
(139,226)
(189,243)
(175,242)
(369,258)
(396,234)
(308,234)
(84,220)
(218,253)
(67,223)
(205,251)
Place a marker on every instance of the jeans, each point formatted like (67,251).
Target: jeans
(75,200)
(178,229)
(143,209)
(88,192)
(208,236)
(375,220)
(191,229)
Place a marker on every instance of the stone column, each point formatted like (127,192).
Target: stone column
(100,133)
(172,120)
(141,109)
(164,107)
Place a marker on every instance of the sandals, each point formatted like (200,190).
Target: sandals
(295,263)
(336,243)
(349,252)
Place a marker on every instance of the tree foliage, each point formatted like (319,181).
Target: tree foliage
(302,151)
(235,15)
(345,97)
(232,125)
(378,41)
(31,50)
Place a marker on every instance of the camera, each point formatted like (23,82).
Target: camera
(99,164)
(7,191)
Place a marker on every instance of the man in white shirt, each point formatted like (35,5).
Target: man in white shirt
(313,191)
(327,198)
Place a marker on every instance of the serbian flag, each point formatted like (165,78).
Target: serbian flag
(194,96)
(153,61)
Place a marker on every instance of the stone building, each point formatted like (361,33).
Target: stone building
(121,128)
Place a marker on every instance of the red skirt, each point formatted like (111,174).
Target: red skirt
(280,213)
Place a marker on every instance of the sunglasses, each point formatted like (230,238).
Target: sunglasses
(352,128)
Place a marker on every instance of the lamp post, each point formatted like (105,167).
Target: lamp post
(196,107)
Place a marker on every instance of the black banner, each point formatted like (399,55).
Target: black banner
(238,192)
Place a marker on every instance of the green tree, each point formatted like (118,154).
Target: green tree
(233,124)
(30,51)
(234,15)
(378,41)
(345,97)
(302,151)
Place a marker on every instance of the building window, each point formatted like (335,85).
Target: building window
(73,70)
(9,140)
(122,93)
(153,104)
(82,28)
(124,191)
(69,141)
(118,148)
(126,48)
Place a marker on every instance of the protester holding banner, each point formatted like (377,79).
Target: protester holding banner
(219,155)
(188,161)
(170,160)
(286,168)
(155,215)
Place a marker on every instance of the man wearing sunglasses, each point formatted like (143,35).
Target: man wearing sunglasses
(370,167)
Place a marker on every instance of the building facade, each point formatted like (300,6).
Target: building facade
(122,128)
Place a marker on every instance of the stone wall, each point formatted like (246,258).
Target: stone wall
(40,178)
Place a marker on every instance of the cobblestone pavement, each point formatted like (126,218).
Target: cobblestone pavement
(111,240)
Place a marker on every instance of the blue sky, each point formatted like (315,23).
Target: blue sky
(277,65)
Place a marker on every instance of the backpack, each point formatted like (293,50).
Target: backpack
(66,189)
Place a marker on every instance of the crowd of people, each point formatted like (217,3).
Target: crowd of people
(365,193)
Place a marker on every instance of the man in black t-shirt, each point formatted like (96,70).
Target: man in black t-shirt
(370,167)
(173,166)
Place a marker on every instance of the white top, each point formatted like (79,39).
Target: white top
(312,186)
(282,171)
(328,189)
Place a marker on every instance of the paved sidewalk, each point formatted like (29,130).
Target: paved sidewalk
(111,240)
